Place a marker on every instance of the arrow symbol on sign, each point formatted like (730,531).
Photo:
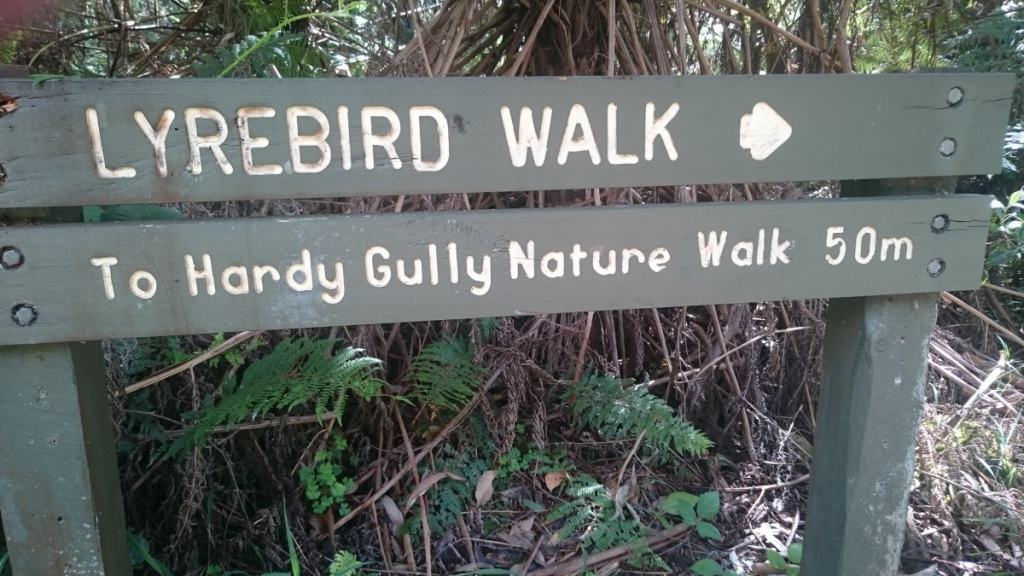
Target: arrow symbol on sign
(763,131)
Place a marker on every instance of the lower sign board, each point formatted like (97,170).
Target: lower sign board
(85,282)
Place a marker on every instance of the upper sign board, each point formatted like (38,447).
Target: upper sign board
(75,142)
(86,282)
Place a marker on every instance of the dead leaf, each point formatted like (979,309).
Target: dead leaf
(485,487)
(426,483)
(520,534)
(554,479)
(8,104)
(394,514)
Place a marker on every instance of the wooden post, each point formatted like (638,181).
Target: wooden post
(874,368)
(60,495)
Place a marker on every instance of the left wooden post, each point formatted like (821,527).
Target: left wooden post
(60,490)
(60,493)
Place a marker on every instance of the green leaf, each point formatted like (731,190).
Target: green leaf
(729,573)
(706,567)
(708,505)
(776,560)
(709,531)
(681,504)
(792,570)
(795,553)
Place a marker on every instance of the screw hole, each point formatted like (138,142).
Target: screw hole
(60,519)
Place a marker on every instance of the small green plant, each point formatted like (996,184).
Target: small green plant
(326,486)
(297,372)
(1005,258)
(709,567)
(345,563)
(790,563)
(592,513)
(698,512)
(620,409)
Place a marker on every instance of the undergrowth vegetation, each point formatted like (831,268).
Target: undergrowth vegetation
(636,441)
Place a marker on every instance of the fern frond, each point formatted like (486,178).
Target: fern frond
(445,374)
(619,409)
(297,372)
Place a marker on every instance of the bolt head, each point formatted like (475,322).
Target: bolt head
(940,223)
(936,267)
(955,96)
(948,147)
(24,314)
(11,258)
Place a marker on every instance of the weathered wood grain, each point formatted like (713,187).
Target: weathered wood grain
(59,490)
(66,292)
(843,127)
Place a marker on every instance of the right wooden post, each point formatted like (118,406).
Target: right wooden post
(874,368)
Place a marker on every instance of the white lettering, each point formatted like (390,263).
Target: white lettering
(386,140)
(318,139)
(337,285)
(416,114)
(92,124)
(711,248)
(383,269)
(305,267)
(585,142)
(196,142)
(747,256)
(235,280)
(194,275)
(249,143)
(135,284)
(658,258)
(483,276)
(528,140)
(157,138)
(517,258)
(258,272)
(778,251)
(552,264)
(104,264)
(613,135)
(658,128)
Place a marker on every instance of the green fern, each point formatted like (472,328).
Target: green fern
(619,409)
(591,514)
(345,563)
(446,374)
(297,372)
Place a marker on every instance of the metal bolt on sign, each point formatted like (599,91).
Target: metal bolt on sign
(11,258)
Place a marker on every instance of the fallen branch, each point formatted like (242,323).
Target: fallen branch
(215,351)
(577,564)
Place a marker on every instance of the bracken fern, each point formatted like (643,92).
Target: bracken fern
(620,409)
(297,372)
(446,374)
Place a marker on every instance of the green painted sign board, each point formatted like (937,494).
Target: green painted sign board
(93,142)
(75,142)
(103,281)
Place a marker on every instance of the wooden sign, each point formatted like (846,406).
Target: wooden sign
(102,281)
(75,142)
